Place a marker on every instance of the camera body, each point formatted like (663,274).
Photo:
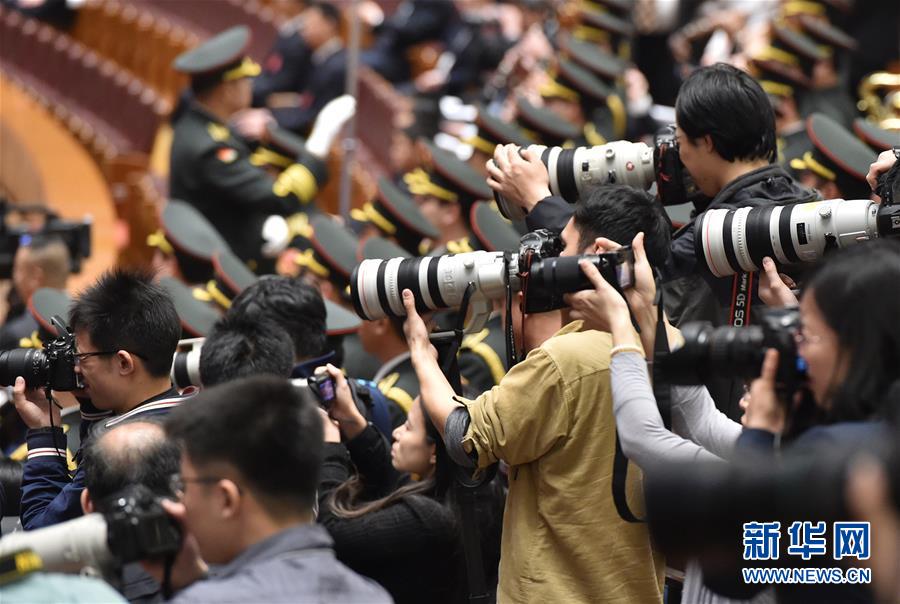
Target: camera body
(52,367)
(138,527)
(441,282)
(574,172)
(76,235)
(323,388)
(738,351)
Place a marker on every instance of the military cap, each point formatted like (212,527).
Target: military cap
(339,321)
(794,48)
(877,138)
(280,150)
(604,65)
(600,26)
(778,79)
(543,126)
(448,179)
(330,251)
(837,156)
(230,277)
(574,83)
(190,237)
(44,304)
(222,58)
(493,131)
(197,317)
(832,9)
(825,33)
(380,248)
(396,215)
(494,232)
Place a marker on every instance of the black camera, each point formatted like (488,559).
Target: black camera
(138,528)
(737,351)
(674,184)
(323,387)
(51,367)
(76,235)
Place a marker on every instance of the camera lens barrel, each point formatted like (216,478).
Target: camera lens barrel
(437,282)
(31,363)
(732,241)
(573,172)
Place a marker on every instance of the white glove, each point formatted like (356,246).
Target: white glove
(328,125)
(276,236)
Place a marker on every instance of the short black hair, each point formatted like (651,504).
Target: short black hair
(125,310)
(237,347)
(264,427)
(149,459)
(295,306)
(619,212)
(328,10)
(10,486)
(731,107)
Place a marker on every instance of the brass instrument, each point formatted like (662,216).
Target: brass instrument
(879,98)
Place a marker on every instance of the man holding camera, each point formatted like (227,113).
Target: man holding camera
(126,330)
(551,420)
(731,162)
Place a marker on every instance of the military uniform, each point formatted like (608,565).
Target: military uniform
(211,168)
(397,380)
(482,357)
(573,83)
(328,68)
(544,127)
(287,66)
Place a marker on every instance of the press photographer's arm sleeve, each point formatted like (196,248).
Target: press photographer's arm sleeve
(524,417)
(49,495)
(550,213)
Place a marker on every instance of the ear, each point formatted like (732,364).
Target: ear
(231,498)
(382,326)
(87,506)
(126,362)
(602,246)
(829,190)
(707,144)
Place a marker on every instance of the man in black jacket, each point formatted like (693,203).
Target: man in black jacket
(726,138)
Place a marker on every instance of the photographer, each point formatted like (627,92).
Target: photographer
(126,330)
(851,385)
(247,500)
(404,533)
(237,347)
(128,454)
(730,161)
(550,419)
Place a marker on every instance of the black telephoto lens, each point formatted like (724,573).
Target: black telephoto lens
(710,351)
(30,363)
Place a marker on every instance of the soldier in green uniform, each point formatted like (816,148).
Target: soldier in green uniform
(445,192)
(394,215)
(838,162)
(545,127)
(210,164)
(491,131)
(573,93)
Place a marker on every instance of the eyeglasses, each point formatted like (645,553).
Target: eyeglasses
(81,356)
(177,482)
(802,338)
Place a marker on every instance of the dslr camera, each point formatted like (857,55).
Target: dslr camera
(574,172)
(76,235)
(51,367)
(440,282)
(737,351)
(134,526)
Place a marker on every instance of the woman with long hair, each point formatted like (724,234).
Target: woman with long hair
(393,512)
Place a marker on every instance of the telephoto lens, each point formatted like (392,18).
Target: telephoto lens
(376,286)
(186,364)
(732,241)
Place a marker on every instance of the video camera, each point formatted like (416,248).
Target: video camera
(51,367)
(737,351)
(76,235)
(574,172)
(731,241)
(134,527)
(537,270)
